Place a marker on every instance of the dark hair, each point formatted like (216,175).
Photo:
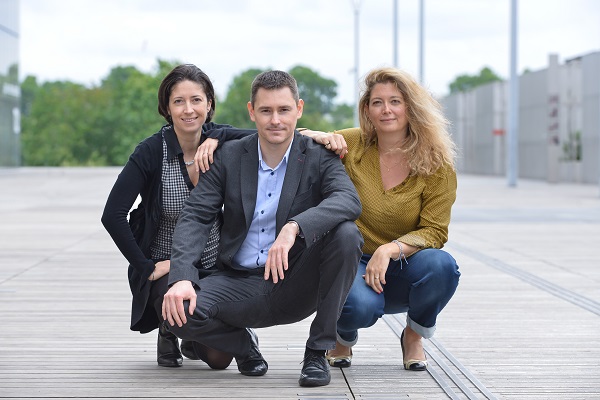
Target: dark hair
(272,80)
(184,72)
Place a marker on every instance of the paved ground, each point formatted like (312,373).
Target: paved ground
(523,325)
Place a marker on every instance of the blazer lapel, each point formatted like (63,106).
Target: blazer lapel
(249,179)
(291,181)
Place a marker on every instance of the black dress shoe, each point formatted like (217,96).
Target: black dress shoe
(167,349)
(315,371)
(253,363)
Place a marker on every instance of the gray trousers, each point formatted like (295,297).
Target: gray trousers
(318,279)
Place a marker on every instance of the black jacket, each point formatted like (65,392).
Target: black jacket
(142,175)
(317,194)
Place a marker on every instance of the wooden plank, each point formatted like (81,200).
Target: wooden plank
(64,304)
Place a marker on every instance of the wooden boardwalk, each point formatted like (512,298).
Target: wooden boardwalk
(524,323)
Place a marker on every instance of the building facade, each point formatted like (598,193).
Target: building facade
(558,127)
(10,92)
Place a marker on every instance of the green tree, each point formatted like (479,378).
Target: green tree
(65,123)
(53,131)
(131,113)
(318,94)
(316,91)
(342,116)
(462,83)
(233,109)
(69,124)
(572,147)
(29,90)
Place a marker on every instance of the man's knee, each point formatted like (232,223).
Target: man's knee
(347,232)
(184,331)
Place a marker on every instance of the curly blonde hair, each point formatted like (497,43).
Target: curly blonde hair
(428,145)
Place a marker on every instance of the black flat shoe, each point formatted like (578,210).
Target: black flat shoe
(315,371)
(412,365)
(253,363)
(187,349)
(167,349)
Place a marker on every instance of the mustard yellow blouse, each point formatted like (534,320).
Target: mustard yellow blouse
(416,212)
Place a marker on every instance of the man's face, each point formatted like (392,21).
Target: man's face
(275,113)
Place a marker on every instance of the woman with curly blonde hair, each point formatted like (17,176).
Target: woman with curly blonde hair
(401,161)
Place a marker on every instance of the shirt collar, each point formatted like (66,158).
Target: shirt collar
(264,166)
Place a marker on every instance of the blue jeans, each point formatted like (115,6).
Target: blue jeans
(422,288)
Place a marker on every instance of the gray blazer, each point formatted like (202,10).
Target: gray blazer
(317,194)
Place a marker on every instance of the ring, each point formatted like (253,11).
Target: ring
(376,277)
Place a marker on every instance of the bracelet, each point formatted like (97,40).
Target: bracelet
(401,254)
(153,274)
(297,226)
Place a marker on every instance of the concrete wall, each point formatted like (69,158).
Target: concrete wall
(556,105)
(590,110)
(477,125)
(10,93)
(532,125)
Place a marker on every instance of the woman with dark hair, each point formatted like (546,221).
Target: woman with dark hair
(161,170)
(401,162)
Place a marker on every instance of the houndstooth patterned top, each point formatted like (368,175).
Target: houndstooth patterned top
(175,191)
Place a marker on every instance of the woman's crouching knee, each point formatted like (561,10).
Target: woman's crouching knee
(358,312)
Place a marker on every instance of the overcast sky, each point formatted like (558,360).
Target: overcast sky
(81,40)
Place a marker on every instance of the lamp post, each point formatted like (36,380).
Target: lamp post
(421,39)
(356,5)
(512,148)
(395,41)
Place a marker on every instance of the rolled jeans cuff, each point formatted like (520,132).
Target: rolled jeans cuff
(426,333)
(346,342)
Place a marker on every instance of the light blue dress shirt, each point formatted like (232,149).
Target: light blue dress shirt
(253,252)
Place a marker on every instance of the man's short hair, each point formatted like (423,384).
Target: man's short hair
(271,80)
